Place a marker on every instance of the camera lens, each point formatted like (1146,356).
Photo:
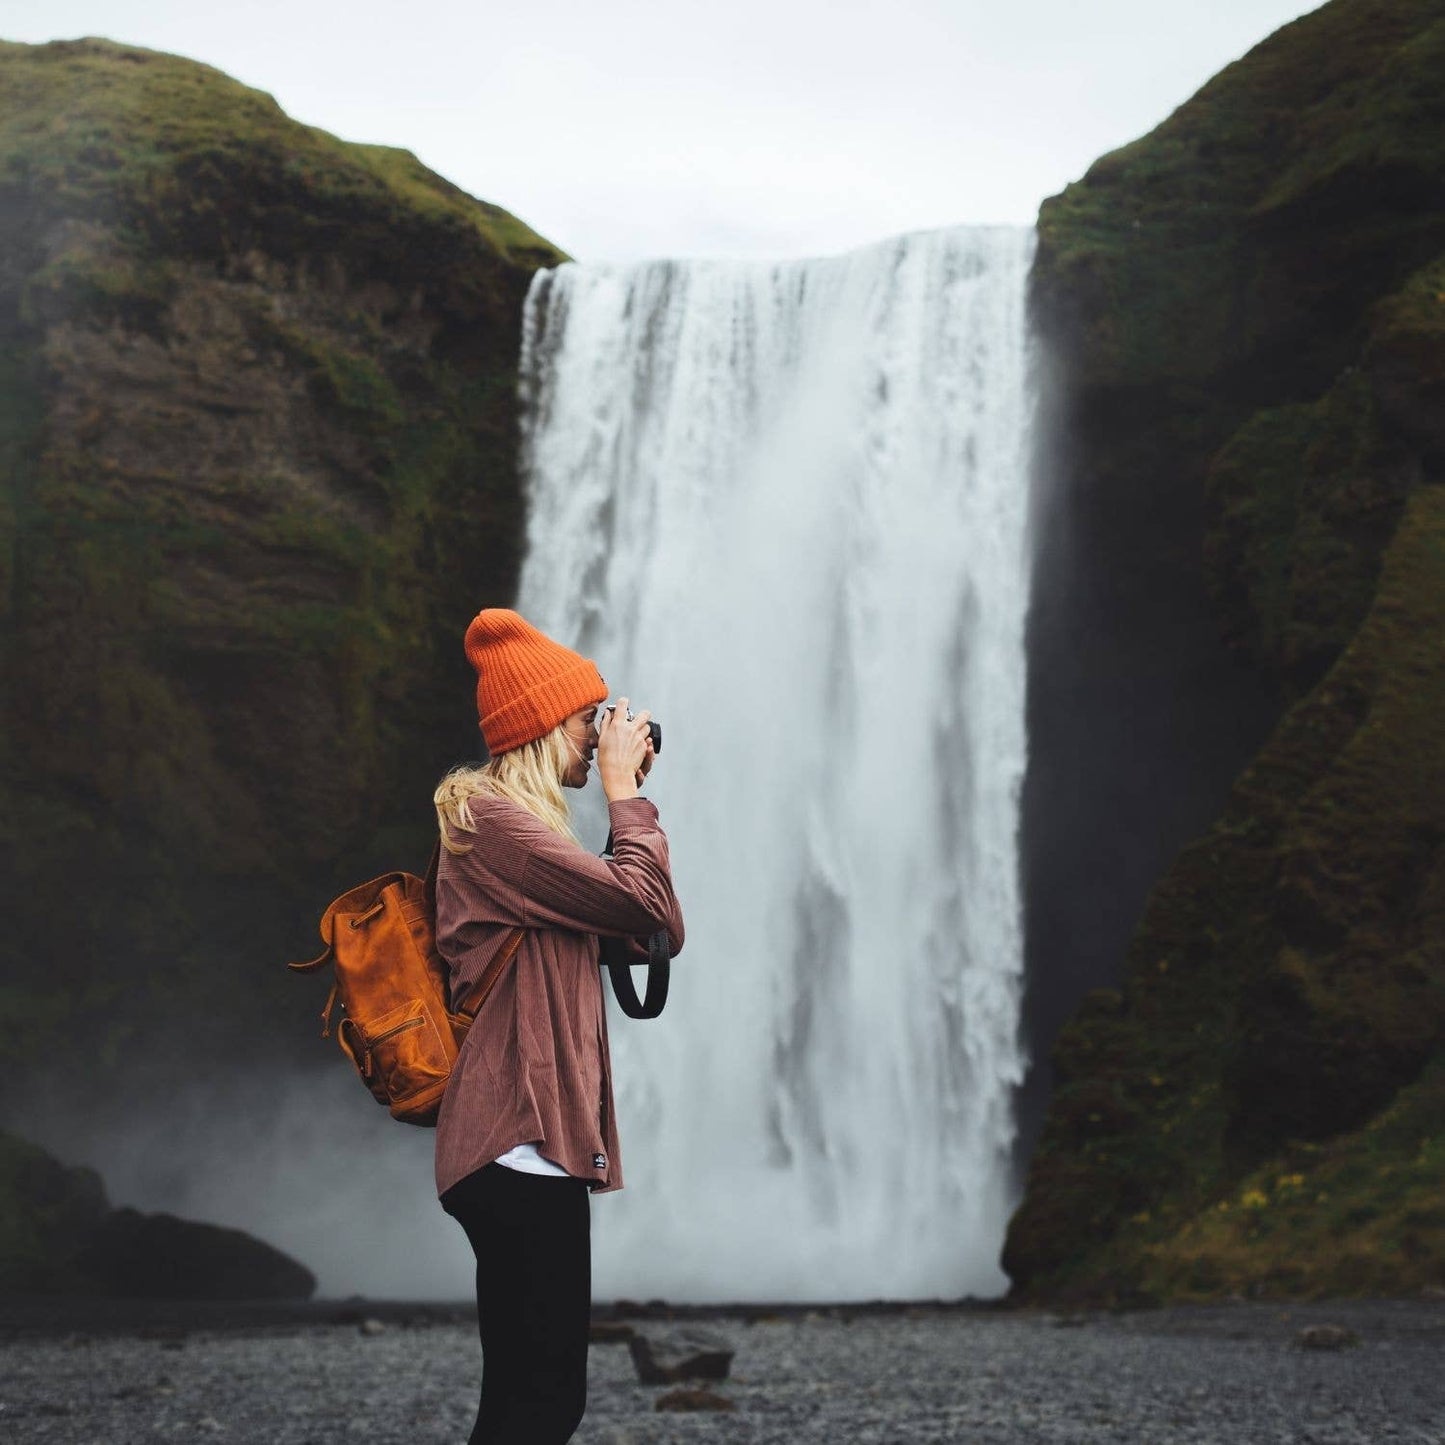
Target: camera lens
(654,728)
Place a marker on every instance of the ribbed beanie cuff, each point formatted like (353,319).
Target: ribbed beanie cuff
(526,683)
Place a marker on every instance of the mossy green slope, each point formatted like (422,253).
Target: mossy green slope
(90,123)
(257,429)
(1254,295)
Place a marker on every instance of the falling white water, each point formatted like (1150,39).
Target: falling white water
(784,507)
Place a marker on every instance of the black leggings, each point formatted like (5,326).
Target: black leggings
(530,1234)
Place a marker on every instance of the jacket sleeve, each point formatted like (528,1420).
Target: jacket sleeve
(562,885)
(621,851)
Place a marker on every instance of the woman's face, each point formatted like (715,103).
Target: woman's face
(581,732)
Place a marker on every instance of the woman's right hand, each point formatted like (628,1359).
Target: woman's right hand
(621,747)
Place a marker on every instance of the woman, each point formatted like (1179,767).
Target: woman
(526,1129)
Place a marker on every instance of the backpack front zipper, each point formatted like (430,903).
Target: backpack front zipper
(411,1023)
(414,1023)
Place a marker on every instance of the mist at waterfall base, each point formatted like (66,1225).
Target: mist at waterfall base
(784,506)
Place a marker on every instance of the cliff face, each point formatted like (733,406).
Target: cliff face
(257,428)
(1246,313)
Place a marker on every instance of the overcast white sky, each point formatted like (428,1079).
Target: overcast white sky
(624,129)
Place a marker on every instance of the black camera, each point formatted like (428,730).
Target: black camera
(654,728)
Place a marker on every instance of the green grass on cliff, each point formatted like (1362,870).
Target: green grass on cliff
(94,119)
(258,432)
(1283,995)
(1169,245)
(1361,1214)
(1248,308)
(1303,499)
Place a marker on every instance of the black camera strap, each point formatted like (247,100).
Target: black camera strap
(614,957)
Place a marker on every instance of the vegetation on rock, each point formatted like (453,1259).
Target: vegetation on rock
(257,469)
(1248,310)
(47,1214)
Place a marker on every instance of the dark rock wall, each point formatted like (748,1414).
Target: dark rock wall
(1237,651)
(257,432)
(1139,715)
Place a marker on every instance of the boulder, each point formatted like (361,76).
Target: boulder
(59,1235)
(47,1211)
(157,1256)
(664,1356)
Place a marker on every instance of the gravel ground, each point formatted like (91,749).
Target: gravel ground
(1227,1375)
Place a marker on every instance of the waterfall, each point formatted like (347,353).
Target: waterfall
(784,507)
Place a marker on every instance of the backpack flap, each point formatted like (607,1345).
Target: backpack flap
(350,909)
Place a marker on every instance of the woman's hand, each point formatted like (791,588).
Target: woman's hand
(624,751)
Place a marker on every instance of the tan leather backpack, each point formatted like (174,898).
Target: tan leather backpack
(398,1025)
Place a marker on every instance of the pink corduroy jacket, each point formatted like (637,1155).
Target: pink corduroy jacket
(535,1067)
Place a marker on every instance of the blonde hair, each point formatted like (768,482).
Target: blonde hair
(529,775)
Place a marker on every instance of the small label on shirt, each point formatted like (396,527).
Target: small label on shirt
(599,1161)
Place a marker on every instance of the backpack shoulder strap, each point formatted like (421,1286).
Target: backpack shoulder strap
(491,974)
(429,882)
(494,970)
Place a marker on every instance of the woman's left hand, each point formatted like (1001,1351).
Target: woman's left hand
(648,759)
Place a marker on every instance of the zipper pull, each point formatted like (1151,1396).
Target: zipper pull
(326,1012)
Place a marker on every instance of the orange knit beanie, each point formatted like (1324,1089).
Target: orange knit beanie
(526,683)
